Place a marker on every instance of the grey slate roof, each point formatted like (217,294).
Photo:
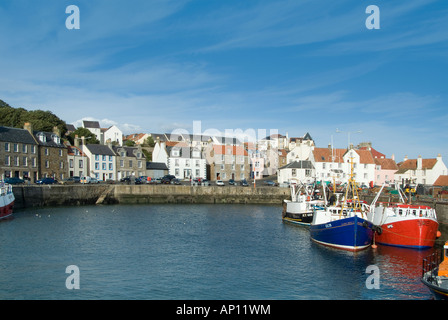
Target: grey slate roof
(16,135)
(302,164)
(100,149)
(156,166)
(49,140)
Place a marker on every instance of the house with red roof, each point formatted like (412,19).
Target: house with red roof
(227,162)
(420,171)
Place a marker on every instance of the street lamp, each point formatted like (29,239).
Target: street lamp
(348,133)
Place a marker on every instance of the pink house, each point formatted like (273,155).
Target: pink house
(384,170)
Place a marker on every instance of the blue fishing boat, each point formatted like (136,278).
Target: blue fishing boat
(351,233)
(343,224)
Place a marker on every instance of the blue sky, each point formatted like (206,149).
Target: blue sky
(294,66)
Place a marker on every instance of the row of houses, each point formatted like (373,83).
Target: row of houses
(306,162)
(31,155)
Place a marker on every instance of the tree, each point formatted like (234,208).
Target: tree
(150,142)
(41,120)
(90,138)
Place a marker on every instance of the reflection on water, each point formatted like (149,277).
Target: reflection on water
(190,252)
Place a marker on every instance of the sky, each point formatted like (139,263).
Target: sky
(286,66)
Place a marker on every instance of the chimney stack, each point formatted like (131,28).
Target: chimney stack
(28,126)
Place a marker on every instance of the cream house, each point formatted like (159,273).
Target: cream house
(420,171)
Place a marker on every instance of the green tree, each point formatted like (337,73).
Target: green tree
(90,138)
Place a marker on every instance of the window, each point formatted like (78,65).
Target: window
(34,162)
(104,166)
(61,165)
(80,163)
(176,162)
(7,147)
(24,148)
(104,158)
(110,158)
(97,157)
(70,163)
(16,160)
(130,163)
(46,151)
(47,164)
(16,147)
(111,166)
(33,149)
(60,152)
(121,163)
(139,163)
(25,161)
(7,161)
(197,163)
(97,165)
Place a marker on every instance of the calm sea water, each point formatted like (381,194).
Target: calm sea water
(189,252)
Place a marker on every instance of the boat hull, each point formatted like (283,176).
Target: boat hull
(438,292)
(6,205)
(303,218)
(415,233)
(352,233)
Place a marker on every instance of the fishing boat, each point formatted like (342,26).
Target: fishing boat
(300,209)
(6,200)
(403,224)
(343,224)
(435,273)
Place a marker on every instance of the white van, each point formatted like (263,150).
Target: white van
(88,180)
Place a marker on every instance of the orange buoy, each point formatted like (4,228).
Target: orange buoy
(439,234)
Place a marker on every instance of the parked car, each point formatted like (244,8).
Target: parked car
(219,183)
(47,181)
(167,179)
(156,181)
(270,183)
(205,182)
(85,180)
(175,181)
(244,183)
(232,182)
(14,180)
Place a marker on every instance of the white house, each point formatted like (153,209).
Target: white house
(185,162)
(102,162)
(113,134)
(159,154)
(420,171)
(302,170)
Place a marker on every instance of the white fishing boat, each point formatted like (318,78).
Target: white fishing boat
(300,209)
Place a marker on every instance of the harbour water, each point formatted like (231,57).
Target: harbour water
(191,252)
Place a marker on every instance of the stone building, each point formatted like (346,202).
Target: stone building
(52,153)
(130,161)
(228,162)
(18,154)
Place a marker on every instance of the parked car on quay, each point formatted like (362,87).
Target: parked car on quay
(244,183)
(232,182)
(47,181)
(270,183)
(167,179)
(14,180)
(85,180)
(219,183)
(175,181)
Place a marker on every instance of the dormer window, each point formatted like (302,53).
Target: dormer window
(41,136)
(56,138)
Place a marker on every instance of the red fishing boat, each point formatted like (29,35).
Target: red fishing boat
(6,201)
(404,225)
